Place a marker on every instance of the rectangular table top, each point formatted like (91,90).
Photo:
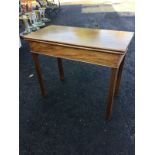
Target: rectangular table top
(84,37)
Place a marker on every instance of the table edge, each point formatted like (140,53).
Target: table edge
(77,46)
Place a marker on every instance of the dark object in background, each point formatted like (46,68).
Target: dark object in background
(37,7)
(27,8)
(50,7)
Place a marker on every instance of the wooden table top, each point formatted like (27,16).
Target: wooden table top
(84,37)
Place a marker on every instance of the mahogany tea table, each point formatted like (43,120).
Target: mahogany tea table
(96,46)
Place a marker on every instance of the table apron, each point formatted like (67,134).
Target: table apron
(94,57)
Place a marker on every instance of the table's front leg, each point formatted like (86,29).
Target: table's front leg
(113,80)
(38,70)
(60,66)
(119,76)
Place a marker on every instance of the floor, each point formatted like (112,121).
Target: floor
(70,119)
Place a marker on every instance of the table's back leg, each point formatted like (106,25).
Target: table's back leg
(38,70)
(60,66)
(113,79)
(119,77)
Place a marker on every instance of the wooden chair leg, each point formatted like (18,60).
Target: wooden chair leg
(38,70)
(119,77)
(113,79)
(60,66)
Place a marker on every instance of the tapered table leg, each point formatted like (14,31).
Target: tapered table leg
(38,70)
(60,66)
(113,79)
(119,77)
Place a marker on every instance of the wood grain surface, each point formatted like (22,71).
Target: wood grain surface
(94,57)
(85,37)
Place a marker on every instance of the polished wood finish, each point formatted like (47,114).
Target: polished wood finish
(113,79)
(60,66)
(38,70)
(101,47)
(86,37)
(103,58)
